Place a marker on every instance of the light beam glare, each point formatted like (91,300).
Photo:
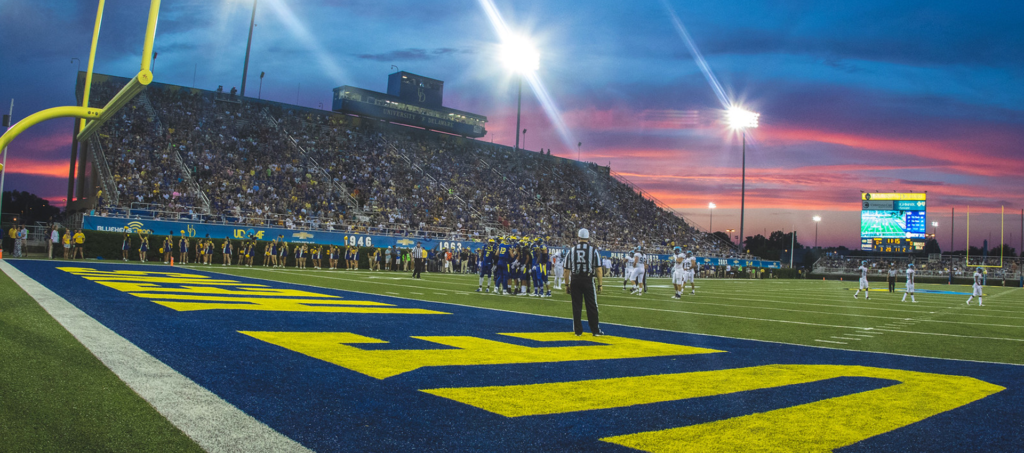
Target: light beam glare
(285,14)
(550,108)
(698,58)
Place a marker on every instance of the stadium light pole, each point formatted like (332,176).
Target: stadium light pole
(740,119)
(817,219)
(524,138)
(711,218)
(248,46)
(259,95)
(520,57)
(578,146)
(730,231)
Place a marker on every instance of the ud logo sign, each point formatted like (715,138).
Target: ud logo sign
(344,371)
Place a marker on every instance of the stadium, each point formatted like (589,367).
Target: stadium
(231,272)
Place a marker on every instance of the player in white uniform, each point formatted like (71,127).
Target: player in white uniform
(978,280)
(689,270)
(678,275)
(910,284)
(627,272)
(639,271)
(556,260)
(863,281)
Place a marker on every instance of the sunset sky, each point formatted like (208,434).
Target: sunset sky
(871,95)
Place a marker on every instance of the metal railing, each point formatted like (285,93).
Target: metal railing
(349,199)
(106,178)
(190,182)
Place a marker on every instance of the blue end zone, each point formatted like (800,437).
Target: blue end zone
(329,408)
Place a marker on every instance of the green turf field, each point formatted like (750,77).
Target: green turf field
(56,396)
(807,312)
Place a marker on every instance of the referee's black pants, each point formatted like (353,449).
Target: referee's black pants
(581,289)
(892,285)
(417,267)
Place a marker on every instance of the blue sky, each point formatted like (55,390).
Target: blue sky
(869,95)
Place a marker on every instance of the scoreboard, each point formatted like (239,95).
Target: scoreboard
(891,245)
(893,222)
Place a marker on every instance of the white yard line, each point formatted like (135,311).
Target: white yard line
(206,418)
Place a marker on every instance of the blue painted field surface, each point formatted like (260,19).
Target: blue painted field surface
(329,408)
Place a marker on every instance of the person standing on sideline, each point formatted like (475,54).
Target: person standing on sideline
(79,239)
(54,241)
(582,264)
(16,235)
(417,260)
(892,279)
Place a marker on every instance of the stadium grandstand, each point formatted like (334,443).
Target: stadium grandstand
(179,153)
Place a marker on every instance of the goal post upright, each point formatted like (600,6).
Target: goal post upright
(97,115)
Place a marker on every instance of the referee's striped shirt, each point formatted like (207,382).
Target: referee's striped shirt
(583,259)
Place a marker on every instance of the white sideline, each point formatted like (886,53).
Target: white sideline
(214,424)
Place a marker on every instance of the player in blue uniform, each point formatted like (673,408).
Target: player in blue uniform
(541,261)
(503,271)
(525,260)
(486,252)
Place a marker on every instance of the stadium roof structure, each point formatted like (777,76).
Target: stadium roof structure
(412,100)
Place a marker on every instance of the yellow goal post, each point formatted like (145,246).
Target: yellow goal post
(93,118)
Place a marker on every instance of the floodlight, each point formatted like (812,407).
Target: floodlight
(519,55)
(739,118)
(817,218)
(935,224)
(711,206)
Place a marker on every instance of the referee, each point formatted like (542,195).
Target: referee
(582,264)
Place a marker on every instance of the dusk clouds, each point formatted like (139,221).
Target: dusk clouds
(870,95)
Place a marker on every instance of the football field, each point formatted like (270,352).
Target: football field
(126,357)
(883,226)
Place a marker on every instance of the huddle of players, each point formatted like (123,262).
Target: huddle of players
(684,268)
(517,267)
(978,283)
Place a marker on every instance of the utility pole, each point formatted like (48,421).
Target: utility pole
(3,167)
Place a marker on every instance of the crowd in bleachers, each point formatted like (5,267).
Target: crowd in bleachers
(344,172)
(137,155)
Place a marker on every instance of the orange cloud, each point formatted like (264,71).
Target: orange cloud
(50,168)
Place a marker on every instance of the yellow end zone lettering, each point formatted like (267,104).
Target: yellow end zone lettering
(191,292)
(333,347)
(819,426)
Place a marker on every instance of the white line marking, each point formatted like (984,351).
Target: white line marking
(833,342)
(203,416)
(388,292)
(418,294)
(845,338)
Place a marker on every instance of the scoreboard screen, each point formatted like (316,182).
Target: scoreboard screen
(893,222)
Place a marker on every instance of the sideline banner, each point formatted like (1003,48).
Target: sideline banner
(238,232)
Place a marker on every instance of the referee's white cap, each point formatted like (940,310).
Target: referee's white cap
(583,234)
